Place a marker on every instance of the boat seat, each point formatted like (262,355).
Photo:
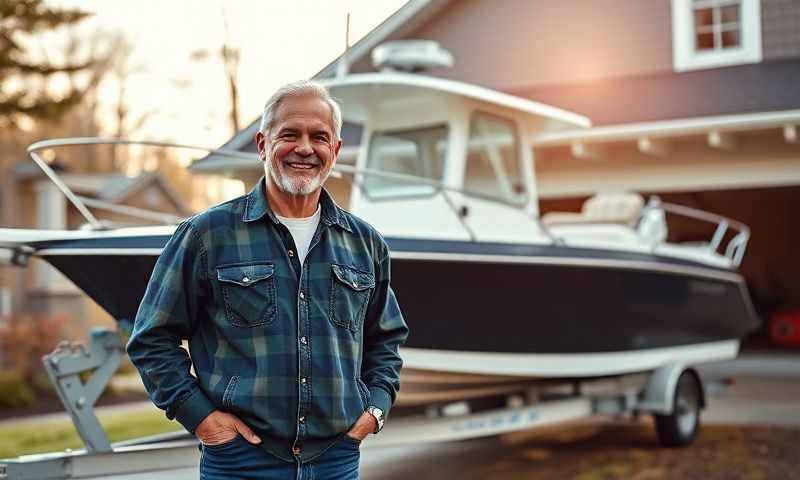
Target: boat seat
(616,208)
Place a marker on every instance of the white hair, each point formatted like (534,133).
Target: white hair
(298,89)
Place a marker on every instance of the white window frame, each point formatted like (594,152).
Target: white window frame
(684,56)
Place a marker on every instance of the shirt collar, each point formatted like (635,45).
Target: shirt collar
(256,207)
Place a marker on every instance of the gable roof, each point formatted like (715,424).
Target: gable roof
(108,187)
(407,18)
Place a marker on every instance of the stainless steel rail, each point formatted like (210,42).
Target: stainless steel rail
(736,246)
(82,204)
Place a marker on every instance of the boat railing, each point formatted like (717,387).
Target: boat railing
(445,190)
(82,203)
(734,248)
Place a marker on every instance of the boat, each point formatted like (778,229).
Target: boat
(496,295)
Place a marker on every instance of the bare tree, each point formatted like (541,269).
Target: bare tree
(230,59)
(229,55)
(121,70)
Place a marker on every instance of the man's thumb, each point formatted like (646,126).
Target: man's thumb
(245,431)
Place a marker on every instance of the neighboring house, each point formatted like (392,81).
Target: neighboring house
(33,201)
(696,101)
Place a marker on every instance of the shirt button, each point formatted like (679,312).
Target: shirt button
(303,380)
(302,419)
(355,285)
(291,253)
(303,340)
(245,279)
(296,450)
(302,295)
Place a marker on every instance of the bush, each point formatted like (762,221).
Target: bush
(24,340)
(16,392)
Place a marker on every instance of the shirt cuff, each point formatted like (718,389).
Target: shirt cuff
(193,410)
(380,398)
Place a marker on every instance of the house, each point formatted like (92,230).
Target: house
(695,101)
(37,202)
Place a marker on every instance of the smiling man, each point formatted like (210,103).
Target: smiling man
(285,301)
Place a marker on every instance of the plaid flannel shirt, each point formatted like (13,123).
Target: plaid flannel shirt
(296,351)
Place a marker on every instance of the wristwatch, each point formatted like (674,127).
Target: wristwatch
(378,414)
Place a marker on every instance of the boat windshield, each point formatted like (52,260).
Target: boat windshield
(493,165)
(418,152)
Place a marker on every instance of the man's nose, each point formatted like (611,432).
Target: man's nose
(303,146)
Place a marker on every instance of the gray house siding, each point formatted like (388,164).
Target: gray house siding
(610,60)
(763,87)
(514,43)
(780,29)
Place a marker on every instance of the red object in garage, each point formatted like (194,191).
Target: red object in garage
(784,328)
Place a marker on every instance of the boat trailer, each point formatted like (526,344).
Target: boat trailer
(672,393)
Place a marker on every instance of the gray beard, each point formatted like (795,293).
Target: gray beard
(287,185)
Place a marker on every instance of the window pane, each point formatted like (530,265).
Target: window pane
(730,14)
(703,18)
(731,39)
(493,165)
(419,153)
(704,41)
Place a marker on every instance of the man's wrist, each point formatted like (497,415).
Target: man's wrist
(379,417)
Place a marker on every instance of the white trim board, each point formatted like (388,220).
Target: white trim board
(669,128)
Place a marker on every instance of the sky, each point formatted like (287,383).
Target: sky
(186,100)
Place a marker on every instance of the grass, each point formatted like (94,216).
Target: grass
(57,435)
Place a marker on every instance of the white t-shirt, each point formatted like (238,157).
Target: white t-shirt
(302,230)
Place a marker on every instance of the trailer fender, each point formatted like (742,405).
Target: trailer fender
(659,393)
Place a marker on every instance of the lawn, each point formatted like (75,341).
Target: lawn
(55,435)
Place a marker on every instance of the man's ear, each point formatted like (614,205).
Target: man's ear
(261,142)
(337,147)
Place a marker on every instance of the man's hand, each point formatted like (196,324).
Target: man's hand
(365,425)
(220,427)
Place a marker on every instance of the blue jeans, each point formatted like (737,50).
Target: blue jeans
(241,460)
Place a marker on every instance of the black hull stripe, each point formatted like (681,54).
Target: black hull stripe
(149,242)
(438,250)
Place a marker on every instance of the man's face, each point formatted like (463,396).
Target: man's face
(302,147)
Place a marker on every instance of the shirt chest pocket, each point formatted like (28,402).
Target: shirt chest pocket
(350,292)
(248,291)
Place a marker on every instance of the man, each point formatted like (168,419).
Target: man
(285,300)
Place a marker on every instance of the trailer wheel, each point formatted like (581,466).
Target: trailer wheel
(680,428)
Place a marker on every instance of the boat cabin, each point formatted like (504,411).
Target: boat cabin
(444,159)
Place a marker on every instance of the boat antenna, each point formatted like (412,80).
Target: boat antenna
(342,67)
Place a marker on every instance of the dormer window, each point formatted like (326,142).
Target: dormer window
(715,33)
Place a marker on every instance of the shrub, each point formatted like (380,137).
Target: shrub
(25,339)
(16,392)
